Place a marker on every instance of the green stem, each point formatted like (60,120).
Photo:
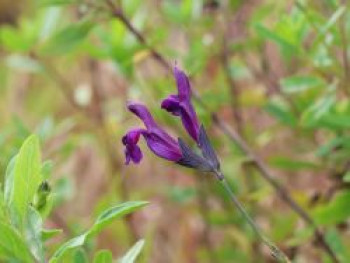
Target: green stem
(275,251)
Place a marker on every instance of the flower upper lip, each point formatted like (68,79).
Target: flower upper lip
(180,104)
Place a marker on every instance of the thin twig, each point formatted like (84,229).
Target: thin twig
(275,251)
(233,135)
(204,212)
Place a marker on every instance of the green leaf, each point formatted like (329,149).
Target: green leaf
(300,83)
(336,211)
(14,40)
(269,34)
(67,39)
(12,246)
(27,177)
(280,110)
(335,241)
(103,256)
(56,2)
(114,213)
(8,195)
(335,121)
(47,234)
(33,234)
(291,164)
(3,207)
(69,245)
(313,113)
(335,143)
(102,221)
(133,252)
(80,256)
(46,169)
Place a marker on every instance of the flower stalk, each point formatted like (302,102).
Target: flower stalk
(275,251)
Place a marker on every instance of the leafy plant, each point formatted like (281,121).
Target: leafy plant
(22,234)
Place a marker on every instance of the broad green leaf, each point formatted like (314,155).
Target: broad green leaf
(130,7)
(113,213)
(69,245)
(3,207)
(80,256)
(336,211)
(56,2)
(12,246)
(286,45)
(103,256)
(102,221)
(14,40)
(133,252)
(67,39)
(281,112)
(313,113)
(33,234)
(336,243)
(300,83)
(291,164)
(27,177)
(47,234)
(9,177)
(46,169)
(329,147)
(335,121)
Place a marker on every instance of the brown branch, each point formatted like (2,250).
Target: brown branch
(234,136)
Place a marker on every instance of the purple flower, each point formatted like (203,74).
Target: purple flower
(180,104)
(160,142)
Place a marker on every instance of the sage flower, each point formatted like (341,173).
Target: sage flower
(161,143)
(158,140)
(180,104)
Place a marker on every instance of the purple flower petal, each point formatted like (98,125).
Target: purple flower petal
(172,105)
(163,145)
(159,141)
(182,83)
(132,151)
(142,112)
(180,105)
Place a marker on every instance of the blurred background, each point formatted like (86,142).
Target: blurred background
(276,73)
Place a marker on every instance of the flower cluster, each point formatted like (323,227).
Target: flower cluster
(164,145)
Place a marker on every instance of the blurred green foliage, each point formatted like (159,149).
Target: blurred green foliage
(276,71)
